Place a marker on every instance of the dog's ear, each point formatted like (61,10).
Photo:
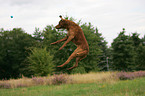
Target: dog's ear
(61,17)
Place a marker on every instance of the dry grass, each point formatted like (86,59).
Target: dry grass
(71,79)
(22,82)
(98,77)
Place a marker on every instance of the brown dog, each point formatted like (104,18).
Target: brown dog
(76,35)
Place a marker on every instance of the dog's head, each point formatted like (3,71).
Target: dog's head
(62,23)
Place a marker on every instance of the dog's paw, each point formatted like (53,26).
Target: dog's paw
(60,48)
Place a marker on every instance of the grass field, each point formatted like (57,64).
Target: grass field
(91,84)
(134,87)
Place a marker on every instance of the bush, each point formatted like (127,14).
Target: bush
(130,75)
(60,79)
(41,63)
(38,80)
(5,85)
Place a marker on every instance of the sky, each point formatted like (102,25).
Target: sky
(109,16)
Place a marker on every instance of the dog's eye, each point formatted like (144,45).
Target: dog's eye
(61,22)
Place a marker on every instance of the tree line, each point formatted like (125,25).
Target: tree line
(32,55)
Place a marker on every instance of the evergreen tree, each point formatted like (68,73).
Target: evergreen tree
(38,35)
(140,55)
(136,39)
(123,52)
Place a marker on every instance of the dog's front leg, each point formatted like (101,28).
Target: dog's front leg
(59,40)
(68,40)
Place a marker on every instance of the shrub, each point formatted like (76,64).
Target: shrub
(38,80)
(60,79)
(130,75)
(5,85)
(41,63)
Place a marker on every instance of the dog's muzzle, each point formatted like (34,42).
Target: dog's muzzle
(57,26)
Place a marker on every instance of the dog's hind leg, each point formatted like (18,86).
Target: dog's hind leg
(73,55)
(80,55)
(77,53)
(77,61)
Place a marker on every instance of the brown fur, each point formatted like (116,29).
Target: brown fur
(76,35)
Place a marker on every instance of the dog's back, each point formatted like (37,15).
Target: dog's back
(79,40)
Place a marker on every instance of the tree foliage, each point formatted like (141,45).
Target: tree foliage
(128,52)
(13,50)
(139,48)
(123,52)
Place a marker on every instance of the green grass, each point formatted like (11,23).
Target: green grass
(134,87)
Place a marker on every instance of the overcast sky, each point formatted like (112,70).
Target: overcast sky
(109,16)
